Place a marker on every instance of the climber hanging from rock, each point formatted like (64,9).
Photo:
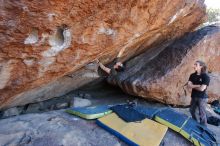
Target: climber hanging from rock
(117,68)
(112,72)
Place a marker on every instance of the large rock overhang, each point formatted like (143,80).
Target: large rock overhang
(41,41)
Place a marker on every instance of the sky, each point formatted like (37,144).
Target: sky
(212,3)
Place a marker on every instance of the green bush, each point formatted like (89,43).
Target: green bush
(213,15)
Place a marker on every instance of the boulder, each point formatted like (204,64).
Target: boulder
(162,78)
(41,41)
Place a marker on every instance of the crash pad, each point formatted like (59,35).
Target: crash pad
(192,130)
(128,113)
(93,112)
(144,133)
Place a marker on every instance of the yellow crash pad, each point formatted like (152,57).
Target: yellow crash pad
(144,133)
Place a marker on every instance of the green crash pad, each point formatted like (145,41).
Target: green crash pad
(93,112)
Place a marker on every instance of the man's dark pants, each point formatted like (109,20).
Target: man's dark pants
(199,103)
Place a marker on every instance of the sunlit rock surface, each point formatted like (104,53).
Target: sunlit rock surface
(41,41)
(163,77)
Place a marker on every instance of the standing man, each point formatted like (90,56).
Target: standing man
(198,82)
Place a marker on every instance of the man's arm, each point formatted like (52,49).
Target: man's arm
(205,83)
(197,87)
(201,88)
(106,69)
(191,85)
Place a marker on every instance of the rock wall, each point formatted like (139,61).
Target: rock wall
(162,78)
(41,41)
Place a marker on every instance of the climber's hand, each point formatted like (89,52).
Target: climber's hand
(97,61)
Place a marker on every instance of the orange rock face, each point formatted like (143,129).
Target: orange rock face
(163,77)
(41,41)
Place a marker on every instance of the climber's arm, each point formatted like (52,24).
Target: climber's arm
(121,52)
(104,68)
